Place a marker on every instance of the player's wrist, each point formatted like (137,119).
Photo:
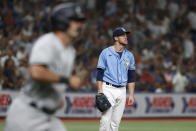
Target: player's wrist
(99,91)
(131,96)
(64,80)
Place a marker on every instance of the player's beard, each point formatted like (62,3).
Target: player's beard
(123,44)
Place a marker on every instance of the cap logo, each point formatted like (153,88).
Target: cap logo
(78,10)
(123,29)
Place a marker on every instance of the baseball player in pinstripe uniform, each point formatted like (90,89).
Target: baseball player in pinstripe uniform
(115,71)
(50,67)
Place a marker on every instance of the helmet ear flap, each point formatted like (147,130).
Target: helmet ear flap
(59,24)
(63,27)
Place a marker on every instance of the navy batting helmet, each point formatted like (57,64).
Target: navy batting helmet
(63,13)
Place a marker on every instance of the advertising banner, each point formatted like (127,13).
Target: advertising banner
(162,105)
(147,105)
(6,99)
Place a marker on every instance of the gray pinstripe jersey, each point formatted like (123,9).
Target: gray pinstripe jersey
(49,51)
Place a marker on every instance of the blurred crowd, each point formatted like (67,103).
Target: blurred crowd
(162,39)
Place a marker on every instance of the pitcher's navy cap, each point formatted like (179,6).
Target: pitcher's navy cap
(120,31)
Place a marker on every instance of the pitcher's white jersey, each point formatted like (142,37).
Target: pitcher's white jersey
(49,51)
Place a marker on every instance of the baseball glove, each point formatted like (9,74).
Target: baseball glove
(102,102)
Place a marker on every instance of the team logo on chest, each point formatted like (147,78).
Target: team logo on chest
(127,63)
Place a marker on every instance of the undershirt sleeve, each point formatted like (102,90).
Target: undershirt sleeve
(100,73)
(131,76)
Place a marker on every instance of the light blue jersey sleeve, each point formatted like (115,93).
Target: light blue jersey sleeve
(102,60)
(132,62)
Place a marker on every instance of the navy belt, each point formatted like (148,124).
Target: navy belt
(44,109)
(117,86)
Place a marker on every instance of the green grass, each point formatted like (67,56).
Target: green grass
(132,126)
(158,126)
(2,124)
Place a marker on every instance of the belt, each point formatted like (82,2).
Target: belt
(44,109)
(117,86)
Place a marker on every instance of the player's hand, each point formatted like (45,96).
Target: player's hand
(131,100)
(74,82)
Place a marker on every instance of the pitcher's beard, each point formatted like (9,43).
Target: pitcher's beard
(123,44)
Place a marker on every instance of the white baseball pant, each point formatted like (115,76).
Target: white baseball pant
(22,117)
(110,120)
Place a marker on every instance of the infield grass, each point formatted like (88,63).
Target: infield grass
(132,126)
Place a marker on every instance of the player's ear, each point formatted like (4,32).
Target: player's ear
(115,38)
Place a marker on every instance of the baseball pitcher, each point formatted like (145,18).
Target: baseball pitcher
(115,71)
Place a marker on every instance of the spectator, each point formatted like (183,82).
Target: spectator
(110,7)
(173,8)
(9,55)
(192,78)
(160,33)
(159,81)
(1,78)
(180,81)
(147,80)
(23,69)
(191,16)
(188,47)
(9,74)
(21,54)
